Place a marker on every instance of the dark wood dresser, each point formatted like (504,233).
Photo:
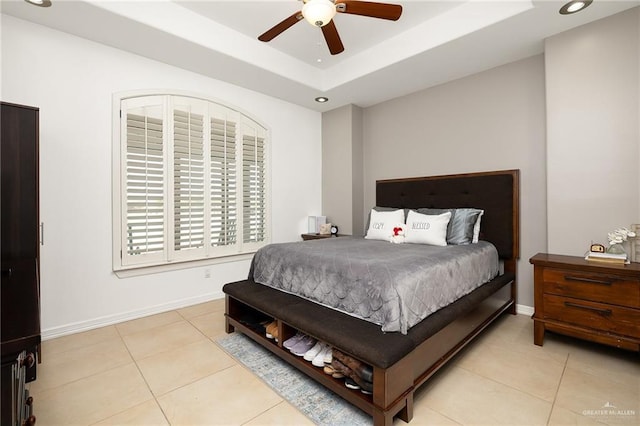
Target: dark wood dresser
(592,301)
(20,248)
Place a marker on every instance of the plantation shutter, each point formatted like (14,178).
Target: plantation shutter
(254,207)
(190,181)
(224,212)
(144,182)
(188,177)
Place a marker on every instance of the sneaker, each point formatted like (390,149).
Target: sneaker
(365,387)
(319,360)
(328,355)
(314,351)
(301,348)
(350,383)
(291,342)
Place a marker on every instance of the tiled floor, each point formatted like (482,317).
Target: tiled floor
(167,369)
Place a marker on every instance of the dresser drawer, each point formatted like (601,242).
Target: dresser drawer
(607,288)
(614,319)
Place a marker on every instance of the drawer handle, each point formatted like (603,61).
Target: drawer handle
(600,311)
(587,280)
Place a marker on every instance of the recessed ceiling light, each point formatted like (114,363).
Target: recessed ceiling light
(40,3)
(322,99)
(574,6)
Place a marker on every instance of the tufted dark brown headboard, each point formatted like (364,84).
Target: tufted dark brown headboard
(497,193)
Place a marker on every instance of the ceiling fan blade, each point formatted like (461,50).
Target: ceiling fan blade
(279,28)
(388,11)
(332,38)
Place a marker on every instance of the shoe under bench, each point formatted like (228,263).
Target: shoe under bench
(401,363)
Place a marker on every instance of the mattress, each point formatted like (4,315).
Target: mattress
(393,285)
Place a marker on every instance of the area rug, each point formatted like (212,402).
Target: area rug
(318,403)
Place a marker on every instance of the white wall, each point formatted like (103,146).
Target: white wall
(493,120)
(72,80)
(593,138)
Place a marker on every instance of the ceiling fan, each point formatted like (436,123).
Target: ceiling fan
(320,13)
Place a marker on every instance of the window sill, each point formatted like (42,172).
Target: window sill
(139,270)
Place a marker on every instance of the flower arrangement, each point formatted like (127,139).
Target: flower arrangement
(617,239)
(620,235)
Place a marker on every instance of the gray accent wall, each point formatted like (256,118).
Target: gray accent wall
(569,119)
(492,120)
(342,172)
(593,138)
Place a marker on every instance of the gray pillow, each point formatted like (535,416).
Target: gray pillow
(460,228)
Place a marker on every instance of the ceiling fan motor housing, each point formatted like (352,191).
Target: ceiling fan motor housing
(318,12)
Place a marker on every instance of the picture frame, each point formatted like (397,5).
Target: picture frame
(635,243)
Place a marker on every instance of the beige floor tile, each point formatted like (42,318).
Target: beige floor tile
(211,325)
(501,378)
(282,414)
(79,363)
(583,393)
(78,340)
(161,339)
(540,377)
(92,399)
(557,345)
(600,360)
(424,416)
(146,414)
(563,417)
(515,332)
(188,364)
(189,312)
(229,397)
(147,323)
(470,399)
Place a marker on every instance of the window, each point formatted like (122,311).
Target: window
(190,181)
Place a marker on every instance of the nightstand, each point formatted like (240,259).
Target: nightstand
(307,237)
(592,301)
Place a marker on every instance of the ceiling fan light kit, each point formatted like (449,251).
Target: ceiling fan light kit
(320,13)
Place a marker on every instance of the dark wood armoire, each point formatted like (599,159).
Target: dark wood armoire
(20,246)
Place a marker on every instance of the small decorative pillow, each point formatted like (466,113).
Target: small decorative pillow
(399,232)
(381,224)
(427,229)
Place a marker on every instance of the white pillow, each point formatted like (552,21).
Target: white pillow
(427,229)
(381,224)
(476,228)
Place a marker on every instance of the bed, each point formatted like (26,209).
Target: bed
(401,362)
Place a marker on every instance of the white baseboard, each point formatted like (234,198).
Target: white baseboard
(78,327)
(524,310)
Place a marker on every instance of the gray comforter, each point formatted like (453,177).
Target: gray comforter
(392,285)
